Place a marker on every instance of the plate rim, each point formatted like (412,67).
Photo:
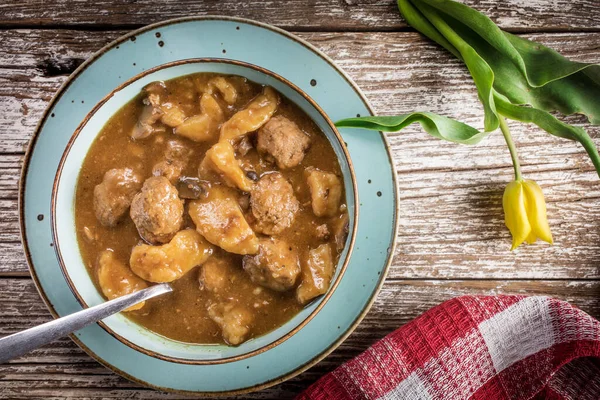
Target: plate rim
(58,95)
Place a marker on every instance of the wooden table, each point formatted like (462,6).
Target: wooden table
(452,238)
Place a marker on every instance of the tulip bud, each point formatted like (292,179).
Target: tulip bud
(525,213)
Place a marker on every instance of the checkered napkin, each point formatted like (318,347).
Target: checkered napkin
(478,347)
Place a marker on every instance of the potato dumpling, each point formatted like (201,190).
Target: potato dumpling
(170,261)
(226,88)
(317,271)
(325,192)
(233,319)
(214,275)
(255,115)
(218,217)
(116,279)
(172,116)
(204,126)
(220,160)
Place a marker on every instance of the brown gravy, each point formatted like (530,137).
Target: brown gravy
(183,315)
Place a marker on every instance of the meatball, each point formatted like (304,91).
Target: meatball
(233,319)
(219,219)
(113,196)
(273,204)
(175,159)
(316,274)
(170,261)
(283,141)
(325,192)
(275,266)
(157,210)
(116,279)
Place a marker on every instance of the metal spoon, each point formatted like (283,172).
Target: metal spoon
(23,342)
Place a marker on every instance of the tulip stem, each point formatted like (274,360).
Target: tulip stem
(511,147)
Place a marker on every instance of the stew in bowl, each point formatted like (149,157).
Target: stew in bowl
(230,184)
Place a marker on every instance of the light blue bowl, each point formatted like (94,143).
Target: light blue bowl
(63,215)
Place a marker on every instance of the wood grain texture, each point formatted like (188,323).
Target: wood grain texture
(62,370)
(451,221)
(294,14)
(452,240)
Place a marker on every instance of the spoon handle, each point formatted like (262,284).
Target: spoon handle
(23,342)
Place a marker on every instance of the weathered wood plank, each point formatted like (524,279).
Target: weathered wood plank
(62,369)
(12,259)
(10,171)
(295,14)
(399,72)
(450,219)
(9,221)
(450,216)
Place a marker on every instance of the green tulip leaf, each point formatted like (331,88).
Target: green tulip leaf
(436,125)
(524,71)
(515,77)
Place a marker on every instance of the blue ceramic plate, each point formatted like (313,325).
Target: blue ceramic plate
(302,65)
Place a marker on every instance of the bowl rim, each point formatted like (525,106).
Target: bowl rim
(349,242)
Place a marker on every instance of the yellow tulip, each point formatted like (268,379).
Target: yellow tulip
(525,213)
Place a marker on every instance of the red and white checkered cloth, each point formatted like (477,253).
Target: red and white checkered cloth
(478,347)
